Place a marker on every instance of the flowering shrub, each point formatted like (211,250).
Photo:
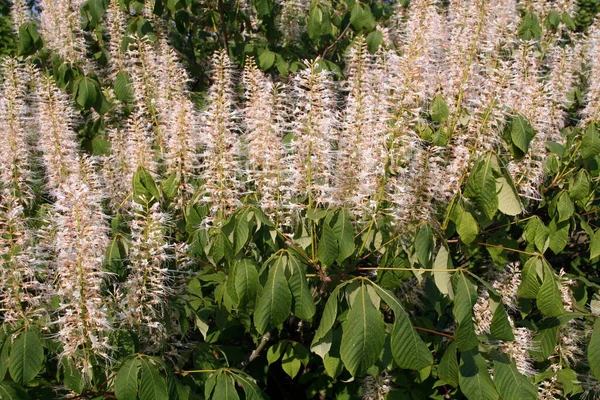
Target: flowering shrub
(421,223)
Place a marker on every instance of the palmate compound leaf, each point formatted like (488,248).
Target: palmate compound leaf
(363,334)
(26,357)
(126,382)
(275,303)
(408,349)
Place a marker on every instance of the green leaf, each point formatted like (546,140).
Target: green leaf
(519,134)
(481,186)
(225,388)
(595,245)
(424,244)
(241,229)
(363,334)
(408,349)
(593,350)
(530,281)
(246,280)
(220,248)
(126,382)
(448,367)
(565,207)
(509,202)
(374,40)
(545,342)
(580,188)
(123,89)
(466,224)
(26,358)
(344,232)
(465,336)
(303,305)
(321,342)
(328,250)
(96,9)
(87,92)
(558,234)
(549,300)
(500,327)
(529,28)
(474,379)
(590,143)
(266,59)
(249,386)
(361,17)
(263,7)
(152,384)
(465,296)
(275,303)
(443,279)
(144,186)
(511,384)
(12,391)
(318,21)
(72,377)
(439,110)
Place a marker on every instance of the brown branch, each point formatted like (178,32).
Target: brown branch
(435,332)
(335,42)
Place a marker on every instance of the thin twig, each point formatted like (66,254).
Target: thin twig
(435,332)
(335,42)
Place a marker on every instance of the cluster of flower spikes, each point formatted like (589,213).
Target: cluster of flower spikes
(368,152)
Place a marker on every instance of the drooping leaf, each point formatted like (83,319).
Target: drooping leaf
(593,350)
(275,303)
(408,349)
(424,244)
(474,379)
(224,387)
(12,391)
(565,207)
(26,357)
(344,232)
(590,143)
(509,202)
(439,110)
(511,384)
(580,188)
(465,296)
(246,280)
(152,384)
(303,304)
(126,382)
(500,327)
(363,334)
(549,299)
(328,250)
(448,367)
(481,186)
(443,279)
(558,235)
(595,245)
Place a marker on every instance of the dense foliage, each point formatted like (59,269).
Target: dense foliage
(300,199)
